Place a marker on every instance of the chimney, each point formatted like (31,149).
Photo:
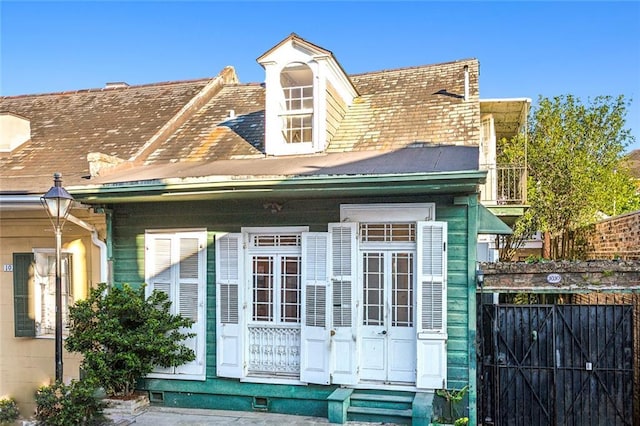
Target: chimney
(100,163)
(116,85)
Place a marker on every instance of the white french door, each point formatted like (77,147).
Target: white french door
(362,304)
(388,345)
(274,324)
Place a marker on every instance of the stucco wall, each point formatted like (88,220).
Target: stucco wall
(27,363)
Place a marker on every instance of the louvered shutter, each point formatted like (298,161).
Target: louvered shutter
(314,334)
(175,264)
(431,297)
(229,321)
(191,287)
(158,273)
(24,324)
(343,258)
(158,264)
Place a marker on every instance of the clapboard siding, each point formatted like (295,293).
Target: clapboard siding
(457,293)
(131,220)
(336,108)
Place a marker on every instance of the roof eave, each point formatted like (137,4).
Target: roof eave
(175,189)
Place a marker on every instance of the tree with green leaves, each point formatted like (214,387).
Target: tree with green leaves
(122,336)
(576,168)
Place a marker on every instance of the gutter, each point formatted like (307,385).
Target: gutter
(217,186)
(22,202)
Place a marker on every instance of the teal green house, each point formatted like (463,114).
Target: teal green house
(320,229)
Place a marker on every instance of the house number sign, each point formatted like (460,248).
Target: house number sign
(554,278)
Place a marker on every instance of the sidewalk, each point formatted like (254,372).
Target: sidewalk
(170,416)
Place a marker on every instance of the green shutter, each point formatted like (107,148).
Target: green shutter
(22,283)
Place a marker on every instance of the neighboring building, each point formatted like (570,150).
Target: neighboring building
(39,136)
(633,162)
(505,191)
(321,229)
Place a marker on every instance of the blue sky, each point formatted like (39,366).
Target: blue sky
(525,49)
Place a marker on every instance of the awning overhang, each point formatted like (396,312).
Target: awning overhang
(509,115)
(488,223)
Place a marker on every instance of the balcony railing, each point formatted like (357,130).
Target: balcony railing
(506,185)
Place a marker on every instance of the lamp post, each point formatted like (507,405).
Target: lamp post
(57,202)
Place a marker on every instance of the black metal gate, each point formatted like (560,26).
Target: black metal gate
(556,365)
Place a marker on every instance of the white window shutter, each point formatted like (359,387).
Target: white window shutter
(343,250)
(314,334)
(158,273)
(431,296)
(191,297)
(229,323)
(175,264)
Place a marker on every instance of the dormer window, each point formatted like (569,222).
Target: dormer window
(14,131)
(296,81)
(306,97)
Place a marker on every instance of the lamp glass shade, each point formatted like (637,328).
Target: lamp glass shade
(57,201)
(58,208)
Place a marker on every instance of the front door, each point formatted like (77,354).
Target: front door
(388,345)
(274,322)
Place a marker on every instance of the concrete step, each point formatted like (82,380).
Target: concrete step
(367,406)
(398,402)
(382,415)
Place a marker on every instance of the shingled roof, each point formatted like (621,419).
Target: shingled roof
(400,107)
(410,107)
(65,127)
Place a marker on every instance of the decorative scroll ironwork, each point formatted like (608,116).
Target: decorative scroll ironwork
(274,350)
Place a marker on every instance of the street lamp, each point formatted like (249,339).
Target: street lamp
(57,202)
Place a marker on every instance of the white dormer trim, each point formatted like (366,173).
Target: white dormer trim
(338,78)
(325,69)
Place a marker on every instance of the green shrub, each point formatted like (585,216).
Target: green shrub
(449,404)
(75,404)
(123,336)
(9,412)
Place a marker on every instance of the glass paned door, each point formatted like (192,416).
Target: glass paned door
(274,330)
(388,339)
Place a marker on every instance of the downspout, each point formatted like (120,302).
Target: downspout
(466,82)
(102,246)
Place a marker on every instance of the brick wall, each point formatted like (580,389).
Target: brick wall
(616,237)
(562,276)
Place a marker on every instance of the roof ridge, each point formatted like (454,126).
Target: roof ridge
(251,83)
(108,89)
(211,89)
(413,67)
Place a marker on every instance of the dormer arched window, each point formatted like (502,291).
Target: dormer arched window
(296,80)
(306,97)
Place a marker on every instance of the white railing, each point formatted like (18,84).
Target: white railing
(506,185)
(274,349)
